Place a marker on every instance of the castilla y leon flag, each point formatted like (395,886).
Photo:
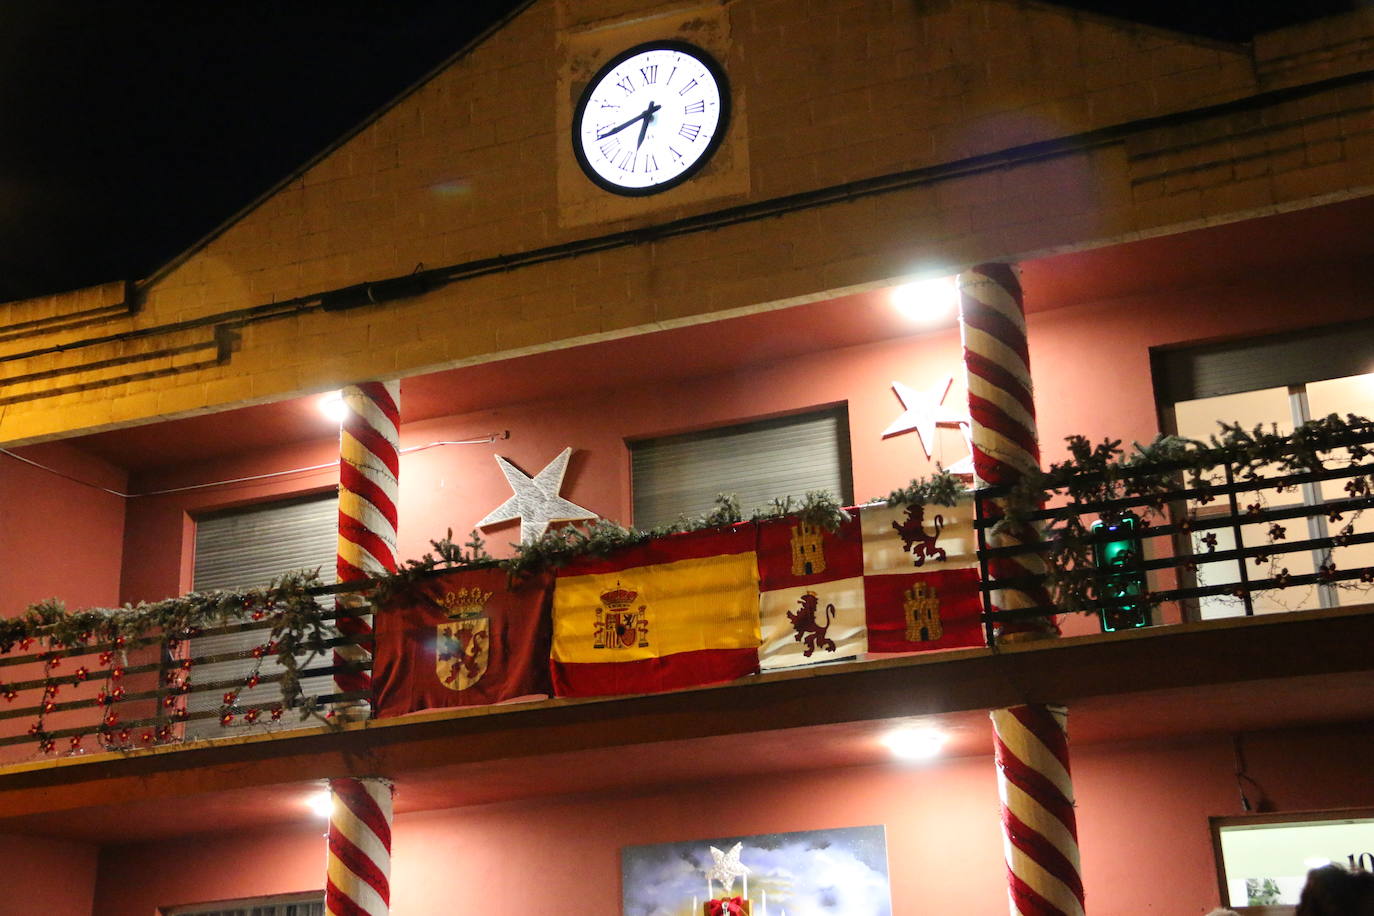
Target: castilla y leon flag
(463,638)
(920,577)
(811,599)
(680,611)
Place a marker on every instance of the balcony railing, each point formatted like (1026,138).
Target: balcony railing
(1135,543)
(115,693)
(1207,535)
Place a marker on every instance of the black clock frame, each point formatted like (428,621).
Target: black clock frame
(722,125)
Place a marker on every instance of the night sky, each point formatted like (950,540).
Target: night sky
(134,127)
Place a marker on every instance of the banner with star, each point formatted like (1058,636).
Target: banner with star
(674,612)
(464,638)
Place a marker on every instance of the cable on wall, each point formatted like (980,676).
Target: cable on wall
(491,437)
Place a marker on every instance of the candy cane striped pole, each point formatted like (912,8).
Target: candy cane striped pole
(1039,830)
(1005,445)
(359,871)
(369,469)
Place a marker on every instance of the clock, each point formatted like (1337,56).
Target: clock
(651,117)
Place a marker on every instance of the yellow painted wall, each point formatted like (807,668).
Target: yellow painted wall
(966,97)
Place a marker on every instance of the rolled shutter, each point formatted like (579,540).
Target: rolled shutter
(761,461)
(245,548)
(1274,361)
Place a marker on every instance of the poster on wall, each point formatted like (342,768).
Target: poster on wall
(836,872)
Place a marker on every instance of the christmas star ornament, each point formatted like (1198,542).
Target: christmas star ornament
(726,866)
(536,502)
(923,411)
(964,466)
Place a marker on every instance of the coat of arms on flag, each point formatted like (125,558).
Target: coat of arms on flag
(811,598)
(920,577)
(462,638)
(463,647)
(887,580)
(679,611)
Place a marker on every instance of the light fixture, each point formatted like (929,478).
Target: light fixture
(915,743)
(320,803)
(1315,862)
(332,406)
(926,301)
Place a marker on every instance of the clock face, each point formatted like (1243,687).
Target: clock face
(651,117)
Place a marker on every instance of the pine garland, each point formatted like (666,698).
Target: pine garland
(1093,473)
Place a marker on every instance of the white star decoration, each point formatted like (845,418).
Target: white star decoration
(923,411)
(726,866)
(536,501)
(964,466)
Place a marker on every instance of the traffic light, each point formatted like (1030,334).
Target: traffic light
(1122,587)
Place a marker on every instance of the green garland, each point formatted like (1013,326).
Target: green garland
(1093,473)
(1153,473)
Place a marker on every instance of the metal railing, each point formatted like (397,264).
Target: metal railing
(1176,555)
(123,694)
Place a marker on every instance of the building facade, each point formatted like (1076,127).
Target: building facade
(1176,208)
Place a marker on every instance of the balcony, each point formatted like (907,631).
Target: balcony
(109,714)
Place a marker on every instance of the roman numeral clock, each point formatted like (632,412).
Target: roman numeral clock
(651,118)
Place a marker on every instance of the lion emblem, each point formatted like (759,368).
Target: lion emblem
(808,630)
(915,541)
(462,652)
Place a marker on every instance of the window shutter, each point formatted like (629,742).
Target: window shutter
(293,906)
(1275,361)
(245,548)
(758,462)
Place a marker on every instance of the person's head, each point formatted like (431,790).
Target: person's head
(1333,891)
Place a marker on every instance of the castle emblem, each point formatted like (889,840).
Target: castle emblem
(807,628)
(915,541)
(808,550)
(619,625)
(463,647)
(922,606)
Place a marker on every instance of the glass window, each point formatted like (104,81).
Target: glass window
(1264,861)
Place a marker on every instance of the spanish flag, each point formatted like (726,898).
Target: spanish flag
(675,612)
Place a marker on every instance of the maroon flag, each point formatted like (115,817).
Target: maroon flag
(461,639)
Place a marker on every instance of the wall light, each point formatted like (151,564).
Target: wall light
(928,300)
(914,743)
(332,406)
(321,803)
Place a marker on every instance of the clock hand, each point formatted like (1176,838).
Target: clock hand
(644,128)
(646,113)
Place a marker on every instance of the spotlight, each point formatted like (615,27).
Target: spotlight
(321,803)
(332,406)
(927,301)
(915,743)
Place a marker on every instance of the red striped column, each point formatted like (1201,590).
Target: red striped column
(369,472)
(359,870)
(1005,443)
(1039,830)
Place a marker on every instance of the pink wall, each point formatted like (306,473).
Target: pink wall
(1143,827)
(58,537)
(1091,363)
(51,877)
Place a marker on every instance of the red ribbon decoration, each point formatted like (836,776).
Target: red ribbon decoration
(732,906)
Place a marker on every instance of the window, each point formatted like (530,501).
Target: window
(311,904)
(1283,380)
(1263,860)
(243,548)
(761,461)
